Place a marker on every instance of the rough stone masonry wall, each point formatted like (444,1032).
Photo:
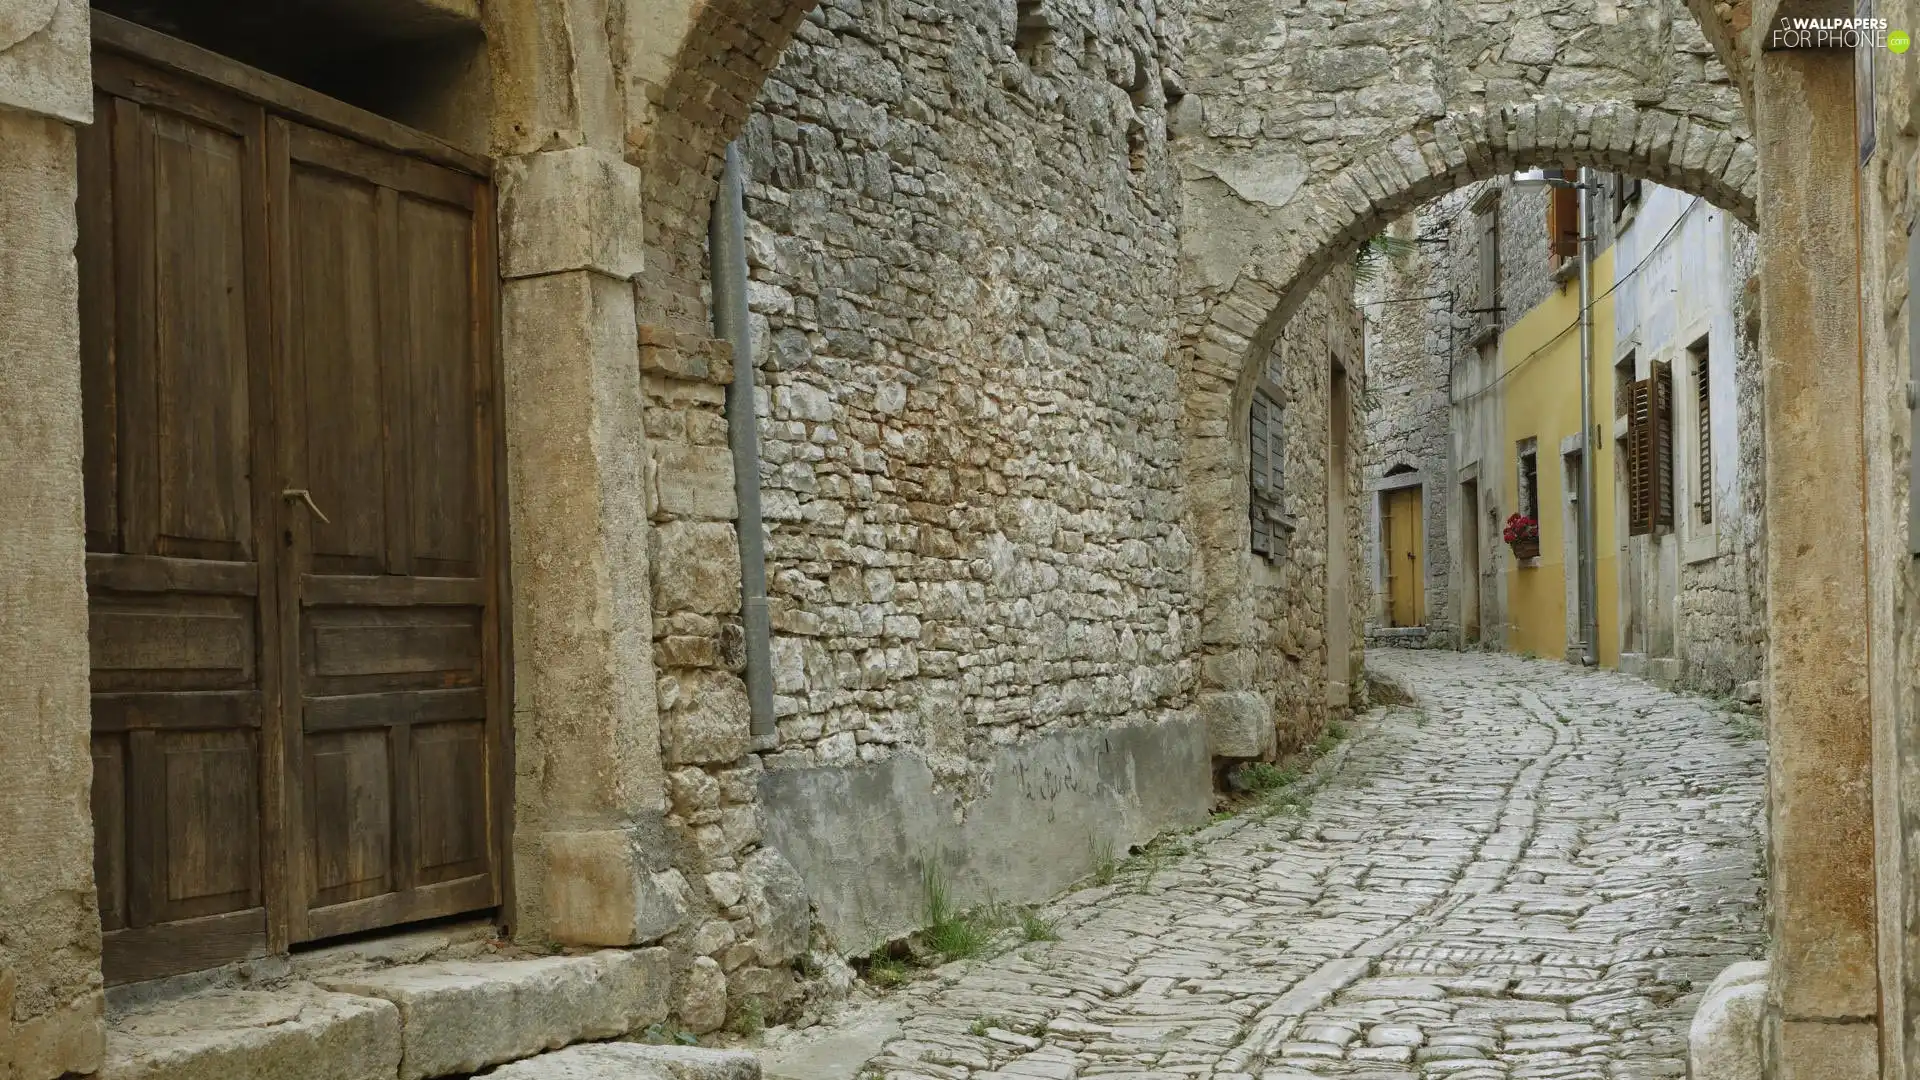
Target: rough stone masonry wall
(1407,414)
(1290,654)
(980,575)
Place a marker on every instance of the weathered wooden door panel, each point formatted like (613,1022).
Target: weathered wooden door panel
(1405,569)
(393,607)
(173,331)
(291,494)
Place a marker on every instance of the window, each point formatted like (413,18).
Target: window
(1626,193)
(1649,446)
(1266,452)
(1623,373)
(1698,368)
(1563,220)
(1489,293)
(1529,476)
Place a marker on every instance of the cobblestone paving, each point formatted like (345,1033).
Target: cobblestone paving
(1535,874)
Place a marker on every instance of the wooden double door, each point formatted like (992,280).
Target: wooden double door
(1405,557)
(294,560)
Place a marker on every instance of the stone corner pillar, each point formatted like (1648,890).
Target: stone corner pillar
(50,981)
(590,855)
(1822,1014)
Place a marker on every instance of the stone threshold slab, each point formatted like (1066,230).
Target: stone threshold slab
(409,1022)
(633,1061)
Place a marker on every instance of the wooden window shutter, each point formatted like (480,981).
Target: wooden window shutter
(1489,300)
(1662,463)
(1703,417)
(1263,467)
(1563,222)
(1640,488)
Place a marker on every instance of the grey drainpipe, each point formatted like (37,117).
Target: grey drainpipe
(727,250)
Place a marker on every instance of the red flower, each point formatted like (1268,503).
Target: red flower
(1520,527)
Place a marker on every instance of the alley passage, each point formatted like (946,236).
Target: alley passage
(1535,874)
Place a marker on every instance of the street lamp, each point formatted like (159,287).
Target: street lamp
(1538,178)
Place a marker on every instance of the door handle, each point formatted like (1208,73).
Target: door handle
(306,496)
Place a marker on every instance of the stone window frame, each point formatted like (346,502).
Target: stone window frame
(1526,476)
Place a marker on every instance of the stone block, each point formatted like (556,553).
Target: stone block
(695,482)
(1724,1042)
(598,892)
(574,209)
(45,46)
(1817,1050)
(633,1061)
(706,718)
(777,898)
(462,1016)
(301,1033)
(703,996)
(1239,724)
(696,567)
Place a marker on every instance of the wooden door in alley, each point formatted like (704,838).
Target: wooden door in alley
(1405,558)
(385,396)
(297,718)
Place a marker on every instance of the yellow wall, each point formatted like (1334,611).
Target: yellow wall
(1540,398)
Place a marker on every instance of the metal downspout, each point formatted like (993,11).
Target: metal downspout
(1589,459)
(727,251)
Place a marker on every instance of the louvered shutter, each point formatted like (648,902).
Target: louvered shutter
(1563,222)
(1640,488)
(1662,463)
(1263,421)
(1703,414)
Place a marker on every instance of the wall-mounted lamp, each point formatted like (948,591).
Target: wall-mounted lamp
(1538,178)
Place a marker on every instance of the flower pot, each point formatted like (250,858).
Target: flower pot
(1526,549)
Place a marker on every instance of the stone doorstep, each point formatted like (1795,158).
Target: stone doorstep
(633,1061)
(402,1023)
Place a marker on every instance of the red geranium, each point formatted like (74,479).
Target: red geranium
(1521,527)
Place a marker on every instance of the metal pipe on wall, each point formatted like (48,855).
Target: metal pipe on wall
(1589,555)
(727,251)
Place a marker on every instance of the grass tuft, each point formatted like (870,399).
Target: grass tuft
(1033,927)
(1105,866)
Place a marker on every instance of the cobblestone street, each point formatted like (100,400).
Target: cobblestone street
(1534,874)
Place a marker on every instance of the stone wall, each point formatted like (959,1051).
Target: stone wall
(1888,337)
(1407,417)
(977,548)
(1292,635)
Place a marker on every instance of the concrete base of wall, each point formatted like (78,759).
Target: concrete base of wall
(862,836)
